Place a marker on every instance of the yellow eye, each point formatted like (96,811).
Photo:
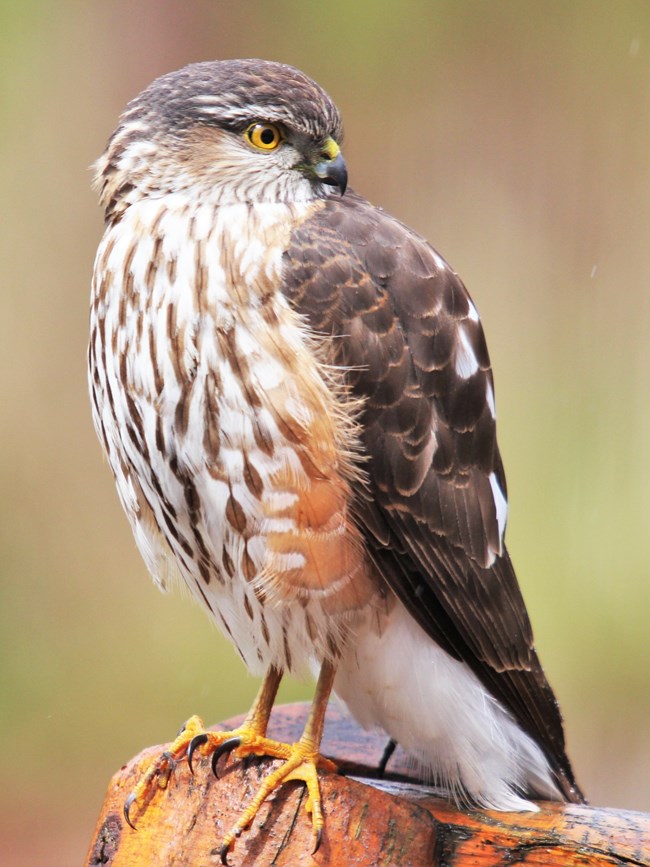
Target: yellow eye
(265,136)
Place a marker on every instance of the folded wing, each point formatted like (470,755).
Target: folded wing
(400,323)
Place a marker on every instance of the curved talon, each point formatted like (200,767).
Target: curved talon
(226,747)
(223,854)
(197,741)
(127,807)
(319,840)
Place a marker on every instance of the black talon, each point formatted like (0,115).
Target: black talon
(251,760)
(226,747)
(197,741)
(223,852)
(319,839)
(127,807)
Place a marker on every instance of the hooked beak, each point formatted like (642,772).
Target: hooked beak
(331,169)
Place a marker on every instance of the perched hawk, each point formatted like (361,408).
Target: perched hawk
(295,397)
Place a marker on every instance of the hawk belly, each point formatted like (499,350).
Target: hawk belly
(231,450)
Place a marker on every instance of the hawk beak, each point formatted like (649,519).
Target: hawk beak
(331,169)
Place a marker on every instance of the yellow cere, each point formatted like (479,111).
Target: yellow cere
(331,149)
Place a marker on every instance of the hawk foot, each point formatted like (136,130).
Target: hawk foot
(302,762)
(244,741)
(161,769)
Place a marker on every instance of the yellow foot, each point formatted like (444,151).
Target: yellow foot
(161,769)
(243,741)
(302,762)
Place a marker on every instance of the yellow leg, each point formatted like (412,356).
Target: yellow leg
(193,736)
(248,738)
(302,760)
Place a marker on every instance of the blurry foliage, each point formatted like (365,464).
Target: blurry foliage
(516,136)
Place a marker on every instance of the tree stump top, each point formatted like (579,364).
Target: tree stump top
(368,821)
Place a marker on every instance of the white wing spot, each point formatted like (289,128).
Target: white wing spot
(472,312)
(500,504)
(466,363)
(489,397)
(440,262)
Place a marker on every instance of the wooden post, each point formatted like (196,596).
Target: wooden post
(368,822)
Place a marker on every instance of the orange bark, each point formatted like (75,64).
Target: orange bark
(387,822)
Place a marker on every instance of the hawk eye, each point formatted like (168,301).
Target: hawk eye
(265,136)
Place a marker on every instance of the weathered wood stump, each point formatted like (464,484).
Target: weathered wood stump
(393,821)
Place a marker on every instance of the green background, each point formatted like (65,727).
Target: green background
(516,136)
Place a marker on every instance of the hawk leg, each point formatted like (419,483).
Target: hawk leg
(193,735)
(301,762)
(386,756)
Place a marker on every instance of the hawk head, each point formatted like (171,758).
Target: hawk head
(227,131)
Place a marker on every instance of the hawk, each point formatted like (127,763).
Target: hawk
(294,394)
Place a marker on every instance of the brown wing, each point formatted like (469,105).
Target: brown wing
(404,327)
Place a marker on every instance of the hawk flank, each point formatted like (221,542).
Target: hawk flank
(294,394)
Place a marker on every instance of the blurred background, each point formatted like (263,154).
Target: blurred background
(516,137)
